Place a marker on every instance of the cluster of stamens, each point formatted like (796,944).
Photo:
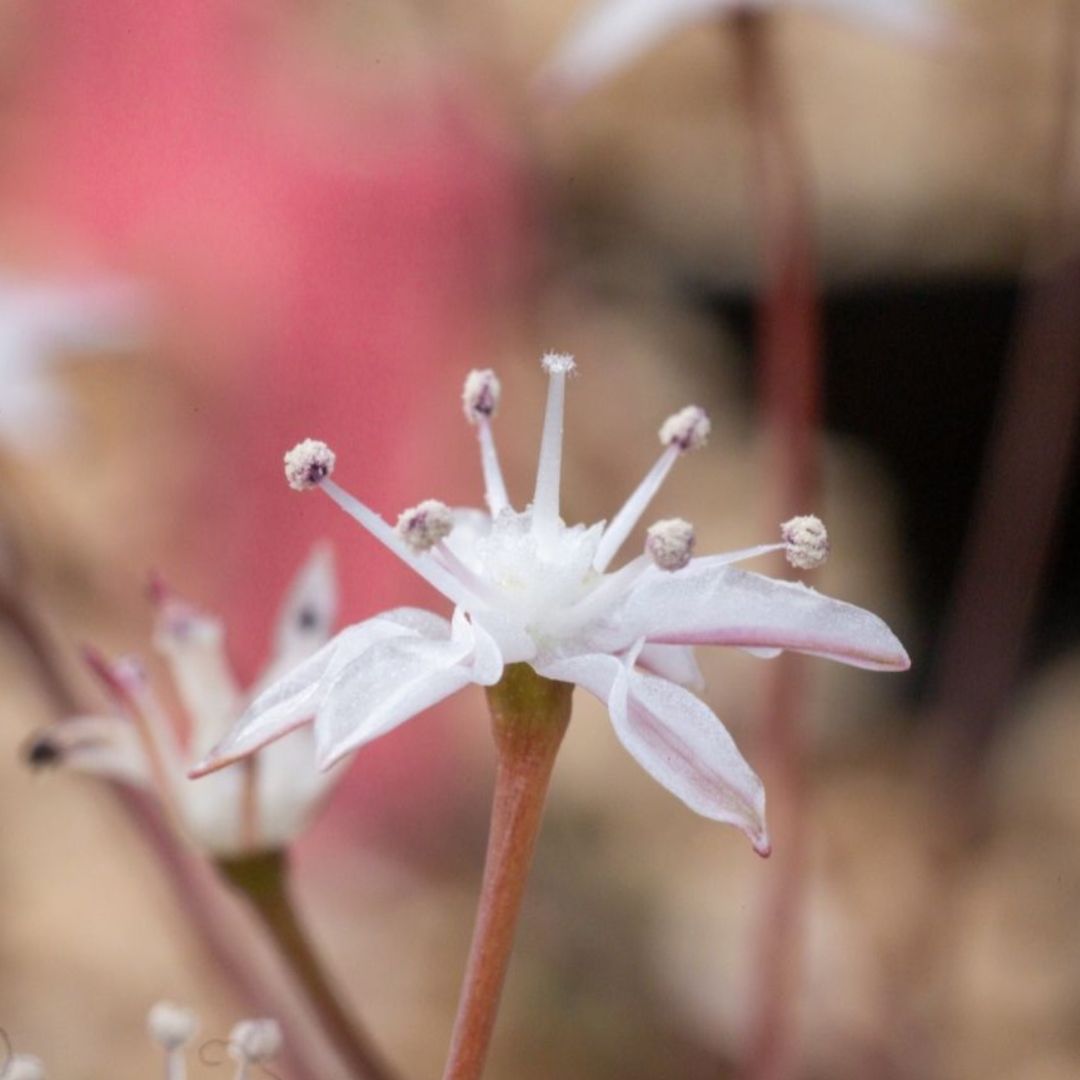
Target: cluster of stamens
(420,531)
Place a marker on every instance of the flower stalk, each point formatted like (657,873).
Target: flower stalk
(529,717)
(263,880)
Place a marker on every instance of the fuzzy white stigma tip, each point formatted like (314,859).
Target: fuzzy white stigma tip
(23,1067)
(481,394)
(688,429)
(255,1041)
(423,526)
(806,541)
(670,543)
(558,363)
(171,1026)
(308,464)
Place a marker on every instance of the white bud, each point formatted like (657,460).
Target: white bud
(558,363)
(255,1041)
(688,429)
(806,540)
(171,1026)
(423,526)
(670,543)
(23,1067)
(308,464)
(481,394)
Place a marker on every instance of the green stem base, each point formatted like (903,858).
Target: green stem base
(263,880)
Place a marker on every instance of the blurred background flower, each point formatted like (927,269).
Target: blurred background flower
(339,209)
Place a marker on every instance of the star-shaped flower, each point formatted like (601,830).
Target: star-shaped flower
(610,34)
(262,803)
(528,588)
(40,323)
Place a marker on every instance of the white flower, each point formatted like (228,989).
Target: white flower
(528,588)
(610,34)
(259,805)
(40,324)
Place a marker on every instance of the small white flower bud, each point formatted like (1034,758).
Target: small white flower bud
(558,363)
(255,1041)
(688,429)
(806,540)
(308,464)
(23,1067)
(171,1026)
(670,543)
(481,394)
(423,526)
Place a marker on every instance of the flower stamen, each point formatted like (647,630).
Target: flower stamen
(481,401)
(806,542)
(308,464)
(686,430)
(670,543)
(423,526)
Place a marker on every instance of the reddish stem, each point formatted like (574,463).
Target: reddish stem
(1027,468)
(529,719)
(789,356)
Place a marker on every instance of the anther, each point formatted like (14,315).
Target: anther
(688,429)
(558,363)
(481,395)
(308,464)
(670,543)
(423,526)
(806,542)
(42,752)
(255,1041)
(171,1026)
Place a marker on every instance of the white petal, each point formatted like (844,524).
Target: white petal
(106,746)
(718,605)
(295,697)
(674,662)
(390,683)
(212,811)
(193,644)
(307,612)
(677,739)
(612,33)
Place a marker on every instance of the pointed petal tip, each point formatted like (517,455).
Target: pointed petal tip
(762,846)
(215,761)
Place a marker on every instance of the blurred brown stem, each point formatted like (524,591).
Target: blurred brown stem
(789,366)
(1027,467)
(529,718)
(262,879)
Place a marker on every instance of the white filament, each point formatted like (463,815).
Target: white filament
(624,521)
(384,532)
(494,485)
